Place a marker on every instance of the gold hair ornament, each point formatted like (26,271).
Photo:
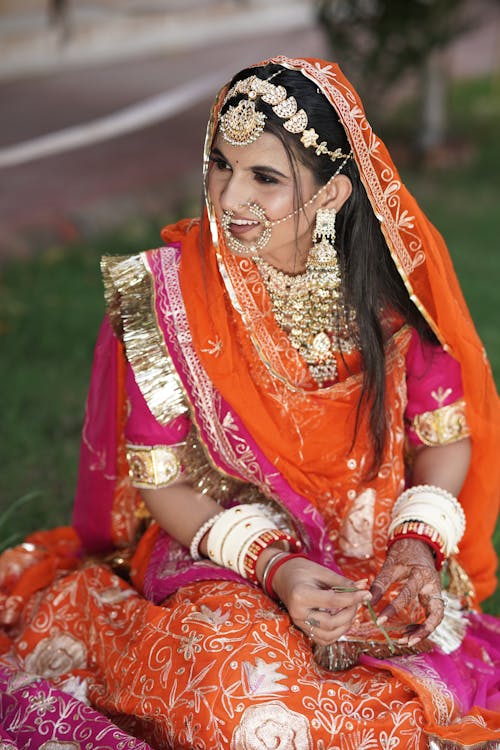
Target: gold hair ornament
(242,124)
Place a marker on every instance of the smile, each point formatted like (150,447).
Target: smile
(244,222)
(234,228)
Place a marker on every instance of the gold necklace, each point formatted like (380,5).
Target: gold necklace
(309,308)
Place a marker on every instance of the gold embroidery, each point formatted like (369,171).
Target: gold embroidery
(130,300)
(153,466)
(442,426)
(160,465)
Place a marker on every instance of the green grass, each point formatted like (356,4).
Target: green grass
(51,307)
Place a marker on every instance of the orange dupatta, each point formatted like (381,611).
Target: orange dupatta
(297,435)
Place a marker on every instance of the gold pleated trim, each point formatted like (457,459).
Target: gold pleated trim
(130,298)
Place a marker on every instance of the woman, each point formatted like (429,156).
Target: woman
(289,396)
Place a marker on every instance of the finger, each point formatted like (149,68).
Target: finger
(333,599)
(435,613)
(407,594)
(327,628)
(322,638)
(388,576)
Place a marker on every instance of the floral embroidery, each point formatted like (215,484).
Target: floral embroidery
(214,618)
(272,725)
(56,655)
(262,677)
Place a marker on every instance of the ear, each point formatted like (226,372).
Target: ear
(336,192)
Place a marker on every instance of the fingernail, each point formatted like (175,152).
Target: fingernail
(413,641)
(362,584)
(366,597)
(381,620)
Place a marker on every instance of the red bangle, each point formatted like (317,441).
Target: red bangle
(274,569)
(265,540)
(438,554)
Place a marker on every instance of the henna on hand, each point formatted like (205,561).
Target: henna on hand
(411,561)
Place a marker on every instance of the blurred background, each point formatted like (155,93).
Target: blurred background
(103,107)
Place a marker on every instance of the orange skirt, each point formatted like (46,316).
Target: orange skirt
(219,665)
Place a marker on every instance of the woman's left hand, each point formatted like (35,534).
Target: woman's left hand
(411,561)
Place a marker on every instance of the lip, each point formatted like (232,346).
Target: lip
(239,226)
(240,230)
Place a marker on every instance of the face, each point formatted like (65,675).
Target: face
(253,186)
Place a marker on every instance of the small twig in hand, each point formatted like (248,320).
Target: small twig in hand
(352,589)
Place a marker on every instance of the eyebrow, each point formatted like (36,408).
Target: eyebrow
(256,167)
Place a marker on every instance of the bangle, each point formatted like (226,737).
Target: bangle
(232,530)
(274,569)
(441,515)
(436,549)
(251,552)
(269,564)
(195,541)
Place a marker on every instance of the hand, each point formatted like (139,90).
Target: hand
(311,596)
(411,561)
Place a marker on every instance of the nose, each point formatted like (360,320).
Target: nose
(234,193)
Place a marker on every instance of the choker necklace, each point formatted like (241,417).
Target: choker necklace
(309,307)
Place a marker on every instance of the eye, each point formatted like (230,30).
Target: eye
(264,178)
(219,163)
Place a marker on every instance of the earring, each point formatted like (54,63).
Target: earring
(322,257)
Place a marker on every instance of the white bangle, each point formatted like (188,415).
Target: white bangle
(194,550)
(434,507)
(231,530)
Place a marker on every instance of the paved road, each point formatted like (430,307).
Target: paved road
(74,193)
(61,197)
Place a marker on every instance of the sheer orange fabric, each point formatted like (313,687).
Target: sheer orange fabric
(424,263)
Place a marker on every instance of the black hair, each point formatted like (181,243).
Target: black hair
(372,283)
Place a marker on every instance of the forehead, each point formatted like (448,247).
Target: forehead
(267,150)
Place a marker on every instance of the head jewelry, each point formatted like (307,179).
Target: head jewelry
(242,123)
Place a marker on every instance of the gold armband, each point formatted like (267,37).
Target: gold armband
(442,426)
(154,466)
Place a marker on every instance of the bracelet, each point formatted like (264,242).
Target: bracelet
(269,564)
(152,466)
(232,530)
(436,549)
(195,541)
(274,569)
(441,515)
(252,552)
(418,528)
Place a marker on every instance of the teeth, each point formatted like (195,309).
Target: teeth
(244,222)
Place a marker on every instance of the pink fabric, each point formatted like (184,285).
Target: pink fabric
(471,672)
(35,715)
(433,380)
(142,427)
(97,467)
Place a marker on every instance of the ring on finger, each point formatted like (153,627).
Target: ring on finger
(312,621)
(310,624)
(437,596)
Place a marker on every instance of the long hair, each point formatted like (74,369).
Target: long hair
(371,281)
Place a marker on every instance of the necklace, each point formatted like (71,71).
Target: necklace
(310,309)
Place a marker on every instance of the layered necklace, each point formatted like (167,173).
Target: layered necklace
(309,307)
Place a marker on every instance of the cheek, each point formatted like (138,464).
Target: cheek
(214,188)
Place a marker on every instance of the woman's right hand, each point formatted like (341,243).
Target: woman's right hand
(310,594)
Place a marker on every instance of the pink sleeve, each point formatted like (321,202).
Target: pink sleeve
(142,427)
(433,381)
